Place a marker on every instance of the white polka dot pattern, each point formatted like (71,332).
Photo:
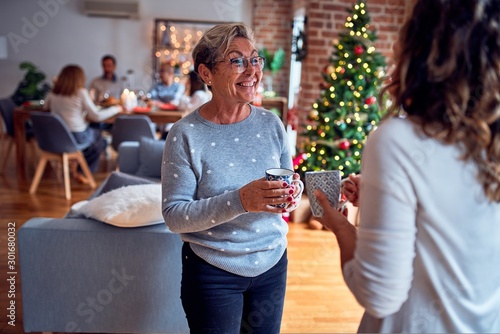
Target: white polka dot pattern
(208,164)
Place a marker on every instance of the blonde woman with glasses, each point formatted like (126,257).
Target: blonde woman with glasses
(215,196)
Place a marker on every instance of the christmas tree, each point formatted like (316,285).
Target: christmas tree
(347,109)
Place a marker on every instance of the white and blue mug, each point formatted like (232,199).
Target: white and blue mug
(286,175)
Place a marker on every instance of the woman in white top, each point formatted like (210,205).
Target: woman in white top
(198,94)
(425,256)
(70,99)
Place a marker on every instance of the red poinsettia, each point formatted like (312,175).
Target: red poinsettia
(299,159)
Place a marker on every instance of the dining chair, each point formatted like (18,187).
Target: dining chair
(7,107)
(57,143)
(131,128)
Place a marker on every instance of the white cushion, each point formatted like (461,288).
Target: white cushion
(130,206)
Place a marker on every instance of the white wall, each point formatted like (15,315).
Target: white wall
(54,33)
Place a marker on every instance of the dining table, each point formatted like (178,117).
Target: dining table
(22,115)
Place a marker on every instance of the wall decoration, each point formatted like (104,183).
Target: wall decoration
(299,46)
(174,41)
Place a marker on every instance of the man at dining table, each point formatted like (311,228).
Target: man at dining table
(166,90)
(108,85)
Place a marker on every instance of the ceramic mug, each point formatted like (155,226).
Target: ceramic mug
(327,181)
(286,175)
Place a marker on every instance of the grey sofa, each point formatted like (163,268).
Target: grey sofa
(81,275)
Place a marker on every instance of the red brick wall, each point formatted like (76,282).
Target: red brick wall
(272,26)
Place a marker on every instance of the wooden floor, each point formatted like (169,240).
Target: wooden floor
(317,300)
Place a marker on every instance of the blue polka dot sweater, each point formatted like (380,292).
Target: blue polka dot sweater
(204,166)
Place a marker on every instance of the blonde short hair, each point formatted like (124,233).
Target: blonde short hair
(215,42)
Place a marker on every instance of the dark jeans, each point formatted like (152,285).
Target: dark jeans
(97,146)
(219,302)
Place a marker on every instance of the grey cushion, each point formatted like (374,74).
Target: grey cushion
(150,157)
(128,157)
(117,180)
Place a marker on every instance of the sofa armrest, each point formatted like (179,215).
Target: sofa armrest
(128,157)
(80,275)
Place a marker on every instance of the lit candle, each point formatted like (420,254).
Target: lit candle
(124,97)
(131,101)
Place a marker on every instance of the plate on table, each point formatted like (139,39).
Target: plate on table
(168,106)
(141,109)
(33,103)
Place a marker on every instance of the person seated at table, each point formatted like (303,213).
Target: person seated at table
(198,94)
(167,90)
(106,89)
(70,99)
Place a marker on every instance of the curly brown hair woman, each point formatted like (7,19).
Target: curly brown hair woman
(448,80)
(422,258)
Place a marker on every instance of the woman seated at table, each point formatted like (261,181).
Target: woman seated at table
(70,99)
(198,94)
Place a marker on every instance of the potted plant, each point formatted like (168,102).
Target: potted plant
(33,85)
(274,62)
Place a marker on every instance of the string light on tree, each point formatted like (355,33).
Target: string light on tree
(347,109)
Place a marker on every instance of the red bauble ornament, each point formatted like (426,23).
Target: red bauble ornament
(371,100)
(358,50)
(344,145)
(342,70)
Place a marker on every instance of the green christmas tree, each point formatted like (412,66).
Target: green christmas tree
(347,109)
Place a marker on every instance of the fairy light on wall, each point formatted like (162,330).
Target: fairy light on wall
(175,41)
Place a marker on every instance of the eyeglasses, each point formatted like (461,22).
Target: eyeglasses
(240,64)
